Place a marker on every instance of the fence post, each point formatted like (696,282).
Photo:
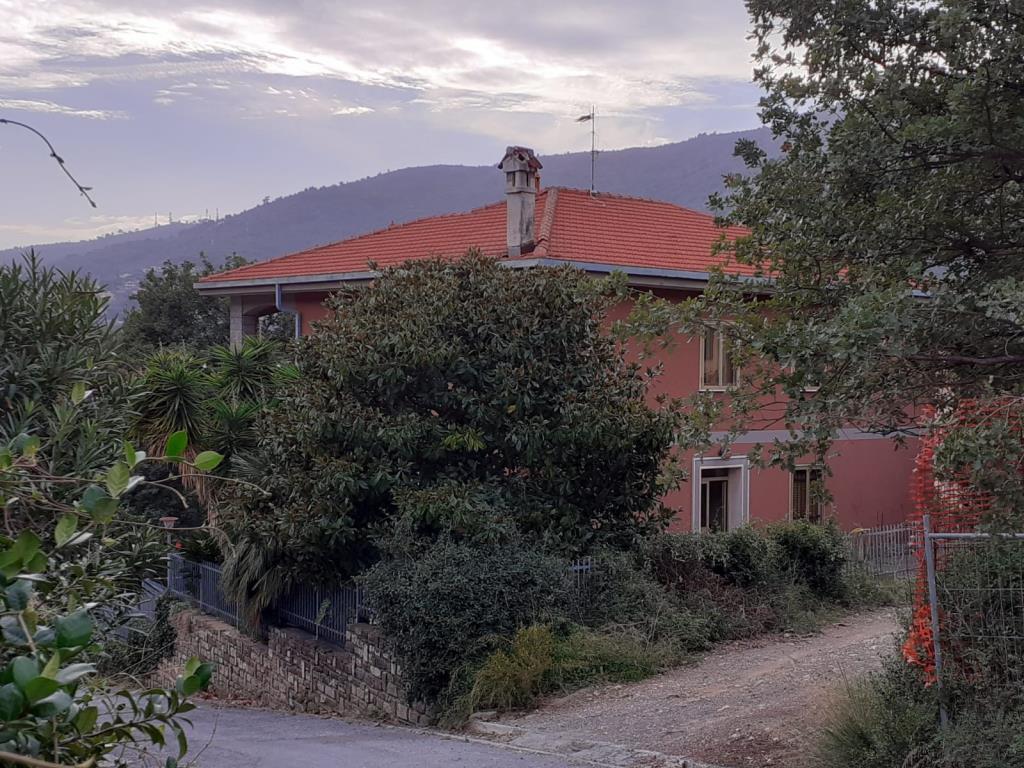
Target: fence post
(933,601)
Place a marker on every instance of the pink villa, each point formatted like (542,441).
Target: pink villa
(660,247)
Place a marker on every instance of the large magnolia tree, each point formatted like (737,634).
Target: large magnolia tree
(890,228)
(452,399)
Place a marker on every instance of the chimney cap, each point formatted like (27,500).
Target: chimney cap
(519,158)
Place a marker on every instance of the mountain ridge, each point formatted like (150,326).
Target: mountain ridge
(685,173)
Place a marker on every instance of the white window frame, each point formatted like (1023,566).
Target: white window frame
(705,462)
(822,507)
(720,340)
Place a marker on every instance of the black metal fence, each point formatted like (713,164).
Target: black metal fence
(324,613)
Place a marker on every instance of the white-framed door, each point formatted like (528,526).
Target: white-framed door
(721,493)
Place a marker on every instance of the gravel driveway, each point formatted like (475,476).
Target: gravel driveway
(749,704)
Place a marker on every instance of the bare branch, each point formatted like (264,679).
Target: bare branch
(53,153)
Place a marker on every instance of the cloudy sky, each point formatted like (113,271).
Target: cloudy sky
(182,107)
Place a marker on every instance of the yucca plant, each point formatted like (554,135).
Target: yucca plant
(233,425)
(246,373)
(179,396)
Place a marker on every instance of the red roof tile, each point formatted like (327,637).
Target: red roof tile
(572,225)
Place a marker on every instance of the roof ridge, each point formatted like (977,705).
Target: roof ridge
(546,223)
(353,238)
(619,196)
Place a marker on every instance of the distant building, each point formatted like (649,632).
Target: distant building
(661,248)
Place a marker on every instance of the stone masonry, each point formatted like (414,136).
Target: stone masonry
(293,670)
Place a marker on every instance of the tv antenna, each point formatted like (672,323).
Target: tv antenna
(591,118)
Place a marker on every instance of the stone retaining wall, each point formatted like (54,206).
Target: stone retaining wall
(294,670)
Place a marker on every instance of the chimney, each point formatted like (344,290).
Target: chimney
(520,165)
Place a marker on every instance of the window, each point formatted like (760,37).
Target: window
(714,500)
(717,370)
(805,486)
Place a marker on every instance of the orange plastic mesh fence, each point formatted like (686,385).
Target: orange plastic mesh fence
(954,506)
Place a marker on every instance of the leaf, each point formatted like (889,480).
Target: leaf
(74,672)
(105,511)
(10,563)
(73,630)
(78,392)
(204,674)
(55,704)
(208,461)
(176,445)
(129,453)
(12,702)
(50,670)
(39,688)
(117,478)
(24,670)
(44,637)
(26,546)
(192,665)
(12,631)
(86,719)
(188,685)
(30,446)
(37,564)
(65,529)
(92,496)
(17,595)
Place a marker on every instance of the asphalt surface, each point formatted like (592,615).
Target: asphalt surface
(224,737)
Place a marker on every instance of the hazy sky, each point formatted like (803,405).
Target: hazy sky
(182,107)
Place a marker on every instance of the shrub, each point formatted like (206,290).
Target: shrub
(620,595)
(745,557)
(145,646)
(815,555)
(449,603)
(450,392)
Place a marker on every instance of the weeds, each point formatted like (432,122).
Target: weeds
(539,661)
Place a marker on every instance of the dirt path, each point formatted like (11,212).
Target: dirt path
(744,705)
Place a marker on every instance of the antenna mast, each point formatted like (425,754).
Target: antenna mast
(593,149)
(592,119)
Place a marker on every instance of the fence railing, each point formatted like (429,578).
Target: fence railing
(324,613)
(886,551)
(199,584)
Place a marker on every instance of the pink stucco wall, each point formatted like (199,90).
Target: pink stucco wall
(870,479)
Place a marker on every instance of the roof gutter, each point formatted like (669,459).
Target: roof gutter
(639,276)
(279,303)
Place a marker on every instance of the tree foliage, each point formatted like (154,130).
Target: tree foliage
(55,599)
(61,372)
(891,226)
(451,398)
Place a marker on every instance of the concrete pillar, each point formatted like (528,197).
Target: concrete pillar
(242,325)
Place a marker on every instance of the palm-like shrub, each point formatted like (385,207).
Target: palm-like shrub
(243,374)
(179,394)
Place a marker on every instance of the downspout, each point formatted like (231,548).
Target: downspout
(279,303)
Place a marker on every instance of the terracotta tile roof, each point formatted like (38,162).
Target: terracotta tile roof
(571,226)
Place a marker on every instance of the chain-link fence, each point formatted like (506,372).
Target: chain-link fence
(975,585)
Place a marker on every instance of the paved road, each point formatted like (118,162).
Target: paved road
(240,738)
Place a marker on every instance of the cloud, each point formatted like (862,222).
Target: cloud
(80,228)
(32,105)
(351,110)
(543,58)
